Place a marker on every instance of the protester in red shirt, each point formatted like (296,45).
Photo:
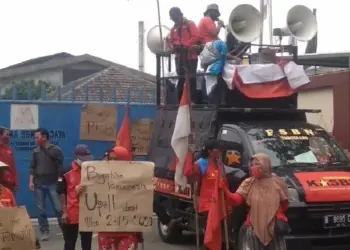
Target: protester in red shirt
(69,189)
(118,240)
(7,199)
(183,40)
(207,29)
(267,198)
(9,177)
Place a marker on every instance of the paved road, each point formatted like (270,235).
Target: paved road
(152,242)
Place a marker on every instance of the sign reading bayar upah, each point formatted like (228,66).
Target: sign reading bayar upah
(118,196)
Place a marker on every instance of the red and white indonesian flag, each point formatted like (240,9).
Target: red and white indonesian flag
(265,80)
(180,139)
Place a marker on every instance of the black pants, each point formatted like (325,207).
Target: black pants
(70,235)
(181,66)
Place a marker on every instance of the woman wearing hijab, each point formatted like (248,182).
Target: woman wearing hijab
(266,195)
(118,240)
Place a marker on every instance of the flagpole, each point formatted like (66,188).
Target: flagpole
(191,143)
(224,206)
(161,36)
(269,3)
(262,29)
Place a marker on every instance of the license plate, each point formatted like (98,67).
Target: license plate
(339,220)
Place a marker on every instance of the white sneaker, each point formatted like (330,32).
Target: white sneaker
(44,237)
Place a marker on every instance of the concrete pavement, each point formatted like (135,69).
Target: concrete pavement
(152,241)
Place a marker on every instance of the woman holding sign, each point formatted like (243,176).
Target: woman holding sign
(118,240)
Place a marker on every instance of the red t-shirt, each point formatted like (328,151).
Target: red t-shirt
(206,27)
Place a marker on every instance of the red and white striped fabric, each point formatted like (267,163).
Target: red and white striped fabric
(265,80)
(180,138)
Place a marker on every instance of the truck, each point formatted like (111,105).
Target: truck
(312,163)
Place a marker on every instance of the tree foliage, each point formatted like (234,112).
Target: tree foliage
(28,89)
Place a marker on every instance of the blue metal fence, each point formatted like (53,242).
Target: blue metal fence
(62,119)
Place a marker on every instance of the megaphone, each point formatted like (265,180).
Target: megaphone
(245,23)
(301,24)
(155,43)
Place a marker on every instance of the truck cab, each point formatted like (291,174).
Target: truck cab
(307,157)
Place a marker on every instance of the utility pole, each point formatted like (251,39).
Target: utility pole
(141,46)
(269,3)
(262,12)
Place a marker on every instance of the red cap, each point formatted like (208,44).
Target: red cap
(122,153)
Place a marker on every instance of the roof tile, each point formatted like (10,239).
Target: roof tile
(105,82)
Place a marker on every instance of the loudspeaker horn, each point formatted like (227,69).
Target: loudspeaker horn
(245,23)
(155,43)
(301,24)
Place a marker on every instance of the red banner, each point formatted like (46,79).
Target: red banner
(325,186)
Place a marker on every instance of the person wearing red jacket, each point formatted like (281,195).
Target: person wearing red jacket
(204,171)
(69,189)
(9,176)
(183,40)
(7,199)
(267,198)
(118,240)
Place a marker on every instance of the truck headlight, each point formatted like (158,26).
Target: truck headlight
(293,195)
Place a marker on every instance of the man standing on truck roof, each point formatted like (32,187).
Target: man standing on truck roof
(207,29)
(183,40)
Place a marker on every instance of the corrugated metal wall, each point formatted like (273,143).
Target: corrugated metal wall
(62,119)
(318,99)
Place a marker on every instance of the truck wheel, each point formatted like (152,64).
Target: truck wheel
(172,236)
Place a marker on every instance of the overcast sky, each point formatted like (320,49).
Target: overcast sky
(109,28)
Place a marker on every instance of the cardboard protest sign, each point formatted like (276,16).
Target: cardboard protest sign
(16,230)
(141,135)
(118,197)
(98,122)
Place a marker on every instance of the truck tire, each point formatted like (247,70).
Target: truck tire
(248,240)
(172,236)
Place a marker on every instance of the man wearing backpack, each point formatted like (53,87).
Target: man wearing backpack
(183,40)
(45,169)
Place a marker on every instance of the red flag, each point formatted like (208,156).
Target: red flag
(124,134)
(213,232)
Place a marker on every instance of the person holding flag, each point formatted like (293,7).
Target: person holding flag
(209,172)
(267,198)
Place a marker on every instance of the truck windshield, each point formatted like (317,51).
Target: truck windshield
(293,146)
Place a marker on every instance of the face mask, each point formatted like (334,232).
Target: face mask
(78,162)
(255,171)
(39,142)
(6,140)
